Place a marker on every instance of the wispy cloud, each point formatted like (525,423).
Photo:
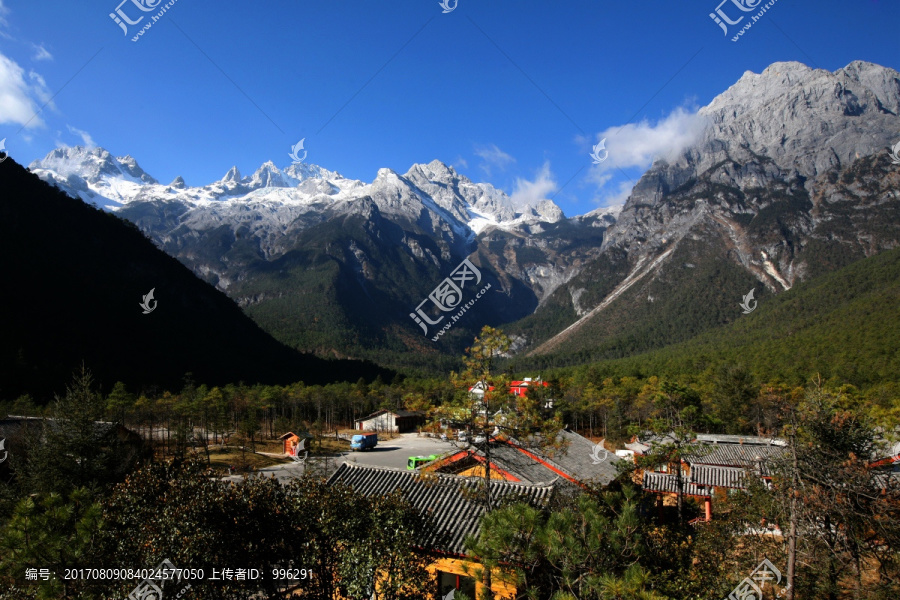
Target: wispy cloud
(41,53)
(616,197)
(638,145)
(18,94)
(493,157)
(533,192)
(84,135)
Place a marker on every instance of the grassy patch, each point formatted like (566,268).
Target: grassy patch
(241,461)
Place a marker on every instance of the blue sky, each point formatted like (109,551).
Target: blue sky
(509,92)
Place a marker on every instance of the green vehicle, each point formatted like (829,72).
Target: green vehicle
(415,462)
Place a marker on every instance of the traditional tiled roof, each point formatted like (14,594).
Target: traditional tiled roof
(448,500)
(408,413)
(736,455)
(886,480)
(580,459)
(715,438)
(666,482)
(644,443)
(575,461)
(710,475)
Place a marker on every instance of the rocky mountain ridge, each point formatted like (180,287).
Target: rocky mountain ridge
(789,178)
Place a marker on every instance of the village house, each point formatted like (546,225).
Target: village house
(394,421)
(714,465)
(452,505)
(516,388)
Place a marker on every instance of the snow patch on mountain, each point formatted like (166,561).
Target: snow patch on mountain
(432,194)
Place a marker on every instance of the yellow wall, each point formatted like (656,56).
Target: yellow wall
(478,471)
(502,583)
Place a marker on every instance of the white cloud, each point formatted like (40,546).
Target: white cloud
(460,162)
(491,157)
(532,192)
(84,135)
(617,198)
(17,104)
(638,145)
(41,53)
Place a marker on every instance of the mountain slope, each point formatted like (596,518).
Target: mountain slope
(790,179)
(74,278)
(842,325)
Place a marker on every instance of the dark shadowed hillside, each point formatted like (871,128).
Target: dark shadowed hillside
(73,278)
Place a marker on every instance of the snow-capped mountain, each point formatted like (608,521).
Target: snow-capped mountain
(269,236)
(790,178)
(272,196)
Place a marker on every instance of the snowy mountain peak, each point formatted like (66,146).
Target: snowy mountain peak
(432,193)
(268,175)
(435,171)
(233,175)
(385,173)
(91,164)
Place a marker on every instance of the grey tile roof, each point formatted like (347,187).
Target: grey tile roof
(736,455)
(447,499)
(520,465)
(886,480)
(665,482)
(715,438)
(574,460)
(408,413)
(710,475)
(578,459)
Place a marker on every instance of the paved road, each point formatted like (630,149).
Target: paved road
(388,453)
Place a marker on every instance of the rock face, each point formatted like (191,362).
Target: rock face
(789,179)
(788,124)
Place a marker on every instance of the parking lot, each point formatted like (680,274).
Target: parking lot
(388,453)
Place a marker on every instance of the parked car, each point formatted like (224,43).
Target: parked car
(479,439)
(364,441)
(463,437)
